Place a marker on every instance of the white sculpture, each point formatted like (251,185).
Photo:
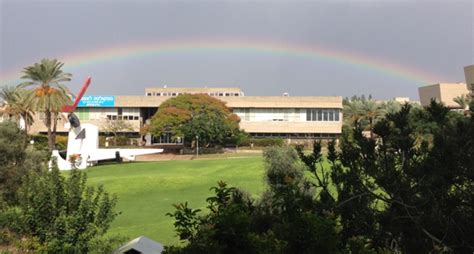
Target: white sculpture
(83,142)
(83,149)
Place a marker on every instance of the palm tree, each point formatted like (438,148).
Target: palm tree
(463,101)
(352,111)
(18,105)
(48,94)
(372,111)
(390,107)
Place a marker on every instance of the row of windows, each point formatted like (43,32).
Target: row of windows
(287,114)
(268,110)
(322,115)
(116,117)
(109,113)
(246,114)
(210,94)
(268,114)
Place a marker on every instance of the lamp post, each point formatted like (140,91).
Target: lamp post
(197,145)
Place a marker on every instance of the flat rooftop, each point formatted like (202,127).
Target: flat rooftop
(193,89)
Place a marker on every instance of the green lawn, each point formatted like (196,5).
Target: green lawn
(147,190)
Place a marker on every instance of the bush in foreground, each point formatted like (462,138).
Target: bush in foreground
(64,215)
(409,188)
(282,221)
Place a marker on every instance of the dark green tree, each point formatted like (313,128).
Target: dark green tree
(407,195)
(13,144)
(16,160)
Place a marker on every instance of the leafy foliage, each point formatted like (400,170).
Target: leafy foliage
(50,213)
(117,126)
(396,192)
(463,101)
(64,215)
(282,221)
(18,105)
(408,196)
(48,94)
(16,160)
(366,112)
(191,115)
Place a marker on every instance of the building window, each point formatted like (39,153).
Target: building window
(148,94)
(158,94)
(83,113)
(247,114)
(322,115)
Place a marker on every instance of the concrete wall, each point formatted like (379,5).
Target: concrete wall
(429,92)
(469,72)
(292,127)
(38,125)
(444,93)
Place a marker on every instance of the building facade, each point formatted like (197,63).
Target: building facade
(299,117)
(443,92)
(469,73)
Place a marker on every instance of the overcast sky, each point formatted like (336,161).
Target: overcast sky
(435,37)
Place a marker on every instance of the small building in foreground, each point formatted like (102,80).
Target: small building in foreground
(140,245)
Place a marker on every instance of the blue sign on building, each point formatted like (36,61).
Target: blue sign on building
(97,101)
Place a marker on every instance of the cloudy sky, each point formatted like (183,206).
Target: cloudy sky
(384,48)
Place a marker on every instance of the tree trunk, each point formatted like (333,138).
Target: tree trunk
(25,119)
(55,124)
(371,126)
(48,125)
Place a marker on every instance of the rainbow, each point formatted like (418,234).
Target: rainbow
(312,52)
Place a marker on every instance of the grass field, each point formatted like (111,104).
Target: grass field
(147,190)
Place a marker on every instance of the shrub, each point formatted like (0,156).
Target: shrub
(40,141)
(64,215)
(282,221)
(102,140)
(122,141)
(61,142)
